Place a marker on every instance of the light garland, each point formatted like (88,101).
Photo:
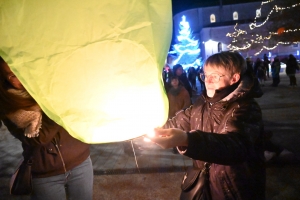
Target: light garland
(234,48)
(274,47)
(256,38)
(276,8)
(237,33)
(285,31)
(265,2)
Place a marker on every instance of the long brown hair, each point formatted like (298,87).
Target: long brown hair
(10,102)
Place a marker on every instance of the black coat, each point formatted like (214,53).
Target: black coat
(185,82)
(291,66)
(229,135)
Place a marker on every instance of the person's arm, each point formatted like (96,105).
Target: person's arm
(243,133)
(181,120)
(46,133)
(296,65)
(278,68)
(174,132)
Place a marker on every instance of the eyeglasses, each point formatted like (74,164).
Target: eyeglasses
(215,78)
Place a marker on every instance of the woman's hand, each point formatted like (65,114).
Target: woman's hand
(168,138)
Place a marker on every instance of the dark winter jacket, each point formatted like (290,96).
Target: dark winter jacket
(291,66)
(54,151)
(275,69)
(228,134)
(185,82)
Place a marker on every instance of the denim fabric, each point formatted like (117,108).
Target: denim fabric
(75,184)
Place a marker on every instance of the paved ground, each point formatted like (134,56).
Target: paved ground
(156,173)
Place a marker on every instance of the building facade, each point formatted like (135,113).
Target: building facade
(210,26)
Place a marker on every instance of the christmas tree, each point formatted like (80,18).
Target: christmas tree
(187,49)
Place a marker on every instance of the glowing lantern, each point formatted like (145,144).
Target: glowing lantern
(280,30)
(93,66)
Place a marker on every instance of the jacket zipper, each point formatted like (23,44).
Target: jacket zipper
(62,160)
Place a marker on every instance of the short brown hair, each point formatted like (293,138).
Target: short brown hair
(231,61)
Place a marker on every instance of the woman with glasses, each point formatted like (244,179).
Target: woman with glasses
(222,132)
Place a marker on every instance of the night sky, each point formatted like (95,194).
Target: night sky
(181,5)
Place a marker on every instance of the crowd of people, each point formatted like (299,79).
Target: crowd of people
(261,69)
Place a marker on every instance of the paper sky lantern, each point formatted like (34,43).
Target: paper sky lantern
(93,66)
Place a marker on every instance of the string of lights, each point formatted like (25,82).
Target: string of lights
(246,40)
(275,8)
(261,5)
(285,31)
(271,48)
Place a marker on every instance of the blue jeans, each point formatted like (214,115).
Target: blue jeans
(75,184)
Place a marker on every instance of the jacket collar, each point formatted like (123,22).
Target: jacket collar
(221,94)
(248,86)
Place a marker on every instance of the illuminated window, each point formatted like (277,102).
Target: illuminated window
(258,13)
(235,16)
(212,18)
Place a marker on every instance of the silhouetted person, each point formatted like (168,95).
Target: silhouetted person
(291,67)
(275,69)
(257,63)
(266,63)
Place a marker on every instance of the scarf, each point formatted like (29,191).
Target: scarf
(220,94)
(175,91)
(29,118)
